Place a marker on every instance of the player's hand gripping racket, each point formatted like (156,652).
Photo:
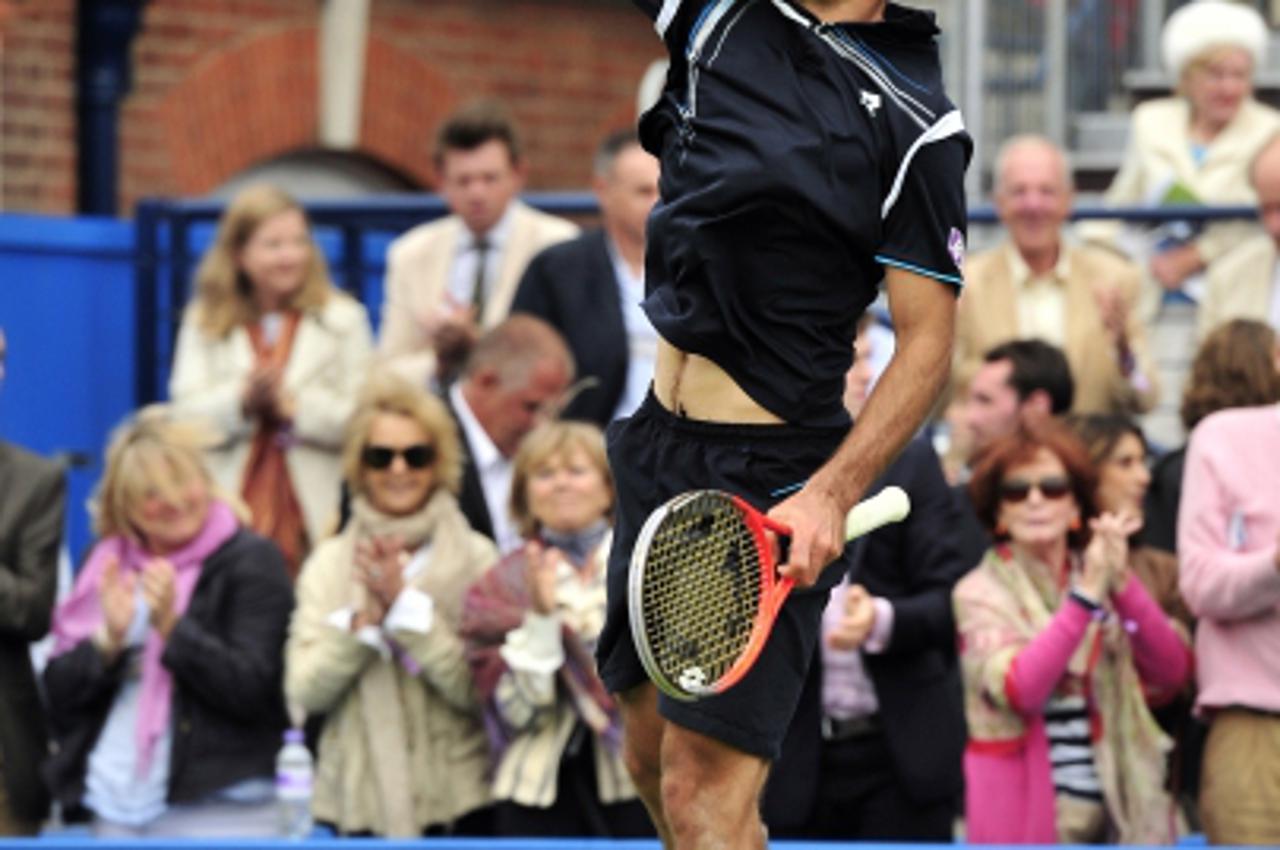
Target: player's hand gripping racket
(704,589)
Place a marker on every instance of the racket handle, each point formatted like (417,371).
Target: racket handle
(889,505)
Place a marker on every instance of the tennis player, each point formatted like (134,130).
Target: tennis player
(809,156)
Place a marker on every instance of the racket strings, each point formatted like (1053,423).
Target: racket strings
(701,590)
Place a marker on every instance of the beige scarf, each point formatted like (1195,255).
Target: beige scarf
(1130,756)
(380,686)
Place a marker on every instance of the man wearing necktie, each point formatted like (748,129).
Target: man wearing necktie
(449,279)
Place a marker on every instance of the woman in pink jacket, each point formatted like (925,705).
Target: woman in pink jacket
(1061,649)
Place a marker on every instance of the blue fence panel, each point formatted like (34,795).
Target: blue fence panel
(68,310)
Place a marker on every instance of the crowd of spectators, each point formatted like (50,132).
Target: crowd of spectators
(399,542)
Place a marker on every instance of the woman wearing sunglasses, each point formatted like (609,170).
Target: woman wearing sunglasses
(1059,649)
(373,643)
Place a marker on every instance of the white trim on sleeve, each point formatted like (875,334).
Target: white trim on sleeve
(948,125)
(668,14)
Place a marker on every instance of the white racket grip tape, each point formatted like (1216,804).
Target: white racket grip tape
(889,505)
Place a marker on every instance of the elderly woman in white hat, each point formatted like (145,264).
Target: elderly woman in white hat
(1196,146)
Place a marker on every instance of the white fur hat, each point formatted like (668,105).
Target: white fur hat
(1205,24)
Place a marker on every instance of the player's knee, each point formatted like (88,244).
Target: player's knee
(642,739)
(679,790)
(643,765)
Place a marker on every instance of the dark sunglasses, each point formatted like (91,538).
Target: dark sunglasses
(415,457)
(1018,489)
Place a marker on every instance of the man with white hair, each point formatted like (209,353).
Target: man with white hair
(1037,286)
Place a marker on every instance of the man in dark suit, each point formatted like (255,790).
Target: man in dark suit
(32,495)
(514,378)
(590,288)
(874,751)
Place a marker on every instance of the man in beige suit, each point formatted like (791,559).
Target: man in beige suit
(1035,285)
(1243,284)
(451,278)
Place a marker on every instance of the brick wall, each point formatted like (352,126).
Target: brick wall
(221,85)
(37,105)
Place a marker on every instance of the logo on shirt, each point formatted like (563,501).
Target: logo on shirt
(870,101)
(955,247)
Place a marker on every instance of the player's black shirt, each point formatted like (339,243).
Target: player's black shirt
(798,159)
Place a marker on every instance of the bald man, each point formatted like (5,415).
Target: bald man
(1243,284)
(1036,285)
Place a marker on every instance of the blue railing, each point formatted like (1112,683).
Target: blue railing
(171,235)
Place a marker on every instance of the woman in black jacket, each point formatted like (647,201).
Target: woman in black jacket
(165,689)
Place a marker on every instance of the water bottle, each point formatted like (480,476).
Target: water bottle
(294,777)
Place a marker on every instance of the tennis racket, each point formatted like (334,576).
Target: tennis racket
(704,589)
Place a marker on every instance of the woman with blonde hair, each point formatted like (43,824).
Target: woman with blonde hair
(273,355)
(373,644)
(531,626)
(164,688)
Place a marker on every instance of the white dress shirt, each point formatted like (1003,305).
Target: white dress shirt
(494,471)
(642,339)
(462,272)
(1042,299)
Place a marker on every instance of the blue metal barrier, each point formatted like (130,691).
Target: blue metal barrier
(67,307)
(354,234)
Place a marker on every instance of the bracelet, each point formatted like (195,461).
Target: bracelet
(1094,607)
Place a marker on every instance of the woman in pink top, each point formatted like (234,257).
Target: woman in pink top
(1060,650)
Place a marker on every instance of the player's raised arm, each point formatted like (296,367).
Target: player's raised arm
(923,312)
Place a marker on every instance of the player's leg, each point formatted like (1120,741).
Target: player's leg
(642,730)
(711,792)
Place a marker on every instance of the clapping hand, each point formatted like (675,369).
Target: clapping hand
(856,622)
(540,572)
(1113,310)
(261,396)
(453,330)
(1106,557)
(116,595)
(379,567)
(158,593)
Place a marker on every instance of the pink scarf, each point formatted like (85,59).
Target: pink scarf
(76,619)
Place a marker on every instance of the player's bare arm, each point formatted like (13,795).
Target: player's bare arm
(924,320)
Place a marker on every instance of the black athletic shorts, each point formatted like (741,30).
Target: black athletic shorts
(655,455)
